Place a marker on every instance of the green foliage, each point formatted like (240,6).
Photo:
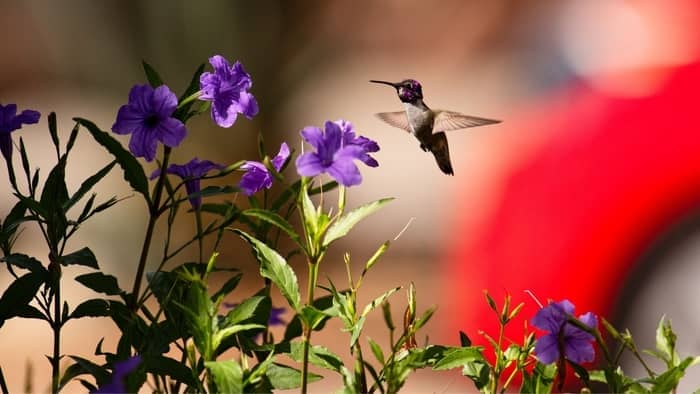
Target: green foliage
(133,172)
(275,268)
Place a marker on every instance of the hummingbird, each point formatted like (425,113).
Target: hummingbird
(427,125)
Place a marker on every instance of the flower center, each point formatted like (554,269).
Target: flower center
(151,121)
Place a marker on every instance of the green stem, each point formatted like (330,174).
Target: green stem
(153,211)
(497,365)
(313,276)
(360,369)
(55,271)
(3,385)
(190,98)
(200,240)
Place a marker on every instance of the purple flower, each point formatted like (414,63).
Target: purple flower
(227,89)
(336,149)
(367,144)
(563,337)
(257,175)
(191,173)
(148,117)
(120,372)
(275,319)
(9,122)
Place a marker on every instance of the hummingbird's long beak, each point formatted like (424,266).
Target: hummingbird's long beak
(383,82)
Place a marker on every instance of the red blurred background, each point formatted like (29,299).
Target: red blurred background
(604,211)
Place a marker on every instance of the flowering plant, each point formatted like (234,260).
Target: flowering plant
(177,332)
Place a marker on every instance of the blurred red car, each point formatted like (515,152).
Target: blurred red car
(586,212)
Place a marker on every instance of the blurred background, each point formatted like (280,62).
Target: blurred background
(589,190)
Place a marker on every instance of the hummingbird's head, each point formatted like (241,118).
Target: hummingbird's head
(409,90)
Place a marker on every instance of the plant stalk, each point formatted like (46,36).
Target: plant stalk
(55,270)
(153,211)
(313,276)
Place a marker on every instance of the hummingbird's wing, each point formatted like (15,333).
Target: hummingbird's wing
(450,120)
(396,119)
(438,145)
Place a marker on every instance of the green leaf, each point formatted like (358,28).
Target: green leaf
(182,112)
(101,283)
(667,381)
(19,293)
(375,257)
(376,350)
(29,312)
(88,184)
(52,199)
(356,330)
(73,136)
(247,310)
(276,220)
(161,365)
(55,193)
(318,355)
(228,286)
(479,373)
(491,302)
(91,308)
(283,377)
(133,172)
(346,222)
(294,328)
(464,339)
(424,318)
(83,257)
(89,367)
(666,342)
(311,216)
(312,316)
(275,267)
(53,130)
(12,221)
(27,262)
(151,75)
(378,301)
(227,375)
(459,357)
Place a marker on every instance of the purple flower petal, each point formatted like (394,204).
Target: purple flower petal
(313,136)
(336,149)
(589,319)
(578,350)
(9,122)
(547,349)
(143,144)
(562,335)
(28,116)
(6,145)
(171,132)
(148,118)
(255,179)
(275,316)
(309,164)
(121,370)
(191,172)
(281,157)
(258,176)
(227,89)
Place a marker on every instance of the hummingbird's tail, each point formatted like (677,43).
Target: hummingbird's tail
(437,144)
